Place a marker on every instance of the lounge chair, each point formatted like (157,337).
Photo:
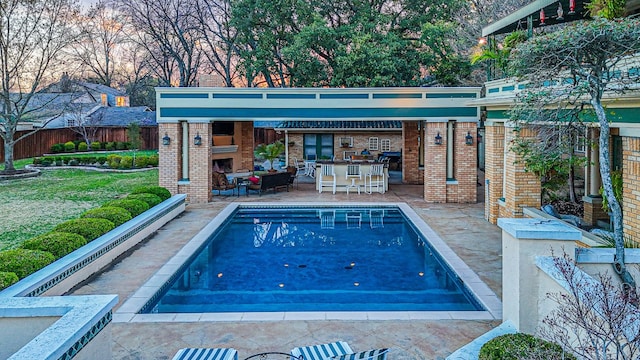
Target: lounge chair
(336,351)
(320,352)
(206,354)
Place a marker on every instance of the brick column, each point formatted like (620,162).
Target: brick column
(522,188)
(245,145)
(411,173)
(435,163)
(200,165)
(631,186)
(494,169)
(466,163)
(169,157)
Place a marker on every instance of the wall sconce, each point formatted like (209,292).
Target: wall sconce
(438,140)
(166,140)
(468,139)
(197,140)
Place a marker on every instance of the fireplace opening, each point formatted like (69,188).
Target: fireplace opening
(223,165)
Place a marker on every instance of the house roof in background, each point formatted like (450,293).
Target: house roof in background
(123,116)
(342,125)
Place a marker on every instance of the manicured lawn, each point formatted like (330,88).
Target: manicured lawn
(31,207)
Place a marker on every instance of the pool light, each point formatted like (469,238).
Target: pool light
(219,275)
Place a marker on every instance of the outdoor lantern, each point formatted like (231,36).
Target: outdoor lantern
(468,139)
(560,12)
(438,139)
(572,7)
(542,17)
(166,140)
(197,140)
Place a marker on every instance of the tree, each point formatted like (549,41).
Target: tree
(87,126)
(581,61)
(33,35)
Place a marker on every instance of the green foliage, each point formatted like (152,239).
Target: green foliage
(134,207)
(89,228)
(151,199)
(153,160)
(126,162)
(161,192)
(83,146)
(269,152)
(521,346)
(616,182)
(499,53)
(7,279)
(607,9)
(113,161)
(57,243)
(141,161)
(24,262)
(95,146)
(110,146)
(57,148)
(69,146)
(116,215)
(120,145)
(133,136)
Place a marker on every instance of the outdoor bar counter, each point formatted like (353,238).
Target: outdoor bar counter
(340,169)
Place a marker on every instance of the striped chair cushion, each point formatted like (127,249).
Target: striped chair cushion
(377,354)
(319,352)
(206,354)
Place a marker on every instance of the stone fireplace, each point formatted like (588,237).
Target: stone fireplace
(223,165)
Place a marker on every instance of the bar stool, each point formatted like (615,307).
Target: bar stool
(375,177)
(326,171)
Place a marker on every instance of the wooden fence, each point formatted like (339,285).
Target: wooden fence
(40,143)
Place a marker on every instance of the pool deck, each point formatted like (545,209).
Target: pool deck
(461,226)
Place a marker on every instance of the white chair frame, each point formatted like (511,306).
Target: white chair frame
(327,171)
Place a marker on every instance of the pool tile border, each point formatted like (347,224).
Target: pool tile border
(128,312)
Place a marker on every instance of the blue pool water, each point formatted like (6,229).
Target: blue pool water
(326,259)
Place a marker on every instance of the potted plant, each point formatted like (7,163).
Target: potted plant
(269,152)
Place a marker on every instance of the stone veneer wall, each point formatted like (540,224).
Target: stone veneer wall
(435,163)
(631,187)
(411,171)
(521,188)
(494,170)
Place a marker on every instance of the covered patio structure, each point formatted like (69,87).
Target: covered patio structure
(203,130)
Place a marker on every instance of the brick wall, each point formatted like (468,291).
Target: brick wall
(411,171)
(200,164)
(465,164)
(631,186)
(245,145)
(169,158)
(435,164)
(521,189)
(494,170)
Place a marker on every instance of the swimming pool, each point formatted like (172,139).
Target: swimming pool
(323,258)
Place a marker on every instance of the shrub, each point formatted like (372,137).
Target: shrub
(69,146)
(151,199)
(121,145)
(37,161)
(163,193)
(23,262)
(57,243)
(110,146)
(521,346)
(95,146)
(46,162)
(126,162)
(101,160)
(134,207)
(116,215)
(57,148)
(89,228)
(153,160)
(113,161)
(83,146)
(141,161)
(74,162)
(7,279)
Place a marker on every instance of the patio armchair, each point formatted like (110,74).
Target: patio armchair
(339,350)
(220,182)
(206,354)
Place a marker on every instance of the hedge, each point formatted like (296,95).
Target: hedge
(116,215)
(95,146)
(57,243)
(521,346)
(134,207)
(69,146)
(23,262)
(83,146)
(89,228)
(163,193)
(7,279)
(151,199)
